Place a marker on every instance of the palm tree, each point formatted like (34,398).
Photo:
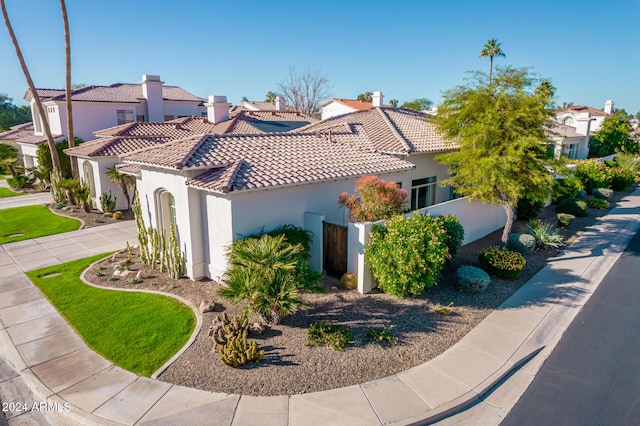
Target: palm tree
(67,54)
(45,122)
(492,49)
(263,272)
(123,181)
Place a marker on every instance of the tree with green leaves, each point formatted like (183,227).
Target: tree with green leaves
(613,136)
(492,49)
(365,97)
(419,104)
(394,103)
(270,96)
(10,114)
(500,131)
(123,181)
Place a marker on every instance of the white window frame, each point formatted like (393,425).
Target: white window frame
(124,116)
(427,187)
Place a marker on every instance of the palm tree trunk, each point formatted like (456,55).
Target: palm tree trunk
(490,68)
(45,122)
(67,53)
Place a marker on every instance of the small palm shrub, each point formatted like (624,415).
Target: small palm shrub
(454,232)
(522,243)
(566,188)
(472,279)
(19,182)
(264,272)
(598,203)
(324,334)
(502,262)
(593,175)
(529,207)
(574,206)
(603,193)
(545,234)
(406,254)
(565,219)
(621,178)
(82,192)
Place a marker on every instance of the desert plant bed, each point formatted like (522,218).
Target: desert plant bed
(25,223)
(291,366)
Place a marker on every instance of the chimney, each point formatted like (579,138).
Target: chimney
(217,109)
(377,99)
(608,106)
(152,92)
(280,105)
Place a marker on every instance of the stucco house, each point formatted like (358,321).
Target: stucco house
(217,188)
(99,107)
(571,141)
(336,106)
(569,116)
(95,157)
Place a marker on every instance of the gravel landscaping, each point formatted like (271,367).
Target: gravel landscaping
(291,367)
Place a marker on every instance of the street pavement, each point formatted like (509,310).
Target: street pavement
(477,381)
(593,375)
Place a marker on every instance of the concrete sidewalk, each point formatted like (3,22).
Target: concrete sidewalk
(61,370)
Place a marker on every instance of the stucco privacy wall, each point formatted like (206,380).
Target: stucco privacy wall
(478,220)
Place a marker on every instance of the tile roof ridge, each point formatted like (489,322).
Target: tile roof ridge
(231,177)
(393,129)
(193,149)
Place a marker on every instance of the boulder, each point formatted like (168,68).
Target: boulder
(472,279)
(256,328)
(207,306)
(602,193)
(139,275)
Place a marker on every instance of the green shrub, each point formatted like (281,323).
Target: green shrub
(529,207)
(602,193)
(629,162)
(108,202)
(472,279)
(239,351)
(593,175)
(566,188)
(565,219)
(19,182)
(324,334)
(574,206)
(545,234)
(522,243)
(621,178)
(455,233)
(502,262)
(407,254)
(598,203)
(381,335)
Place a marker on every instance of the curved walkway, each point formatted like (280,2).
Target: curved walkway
(514,340)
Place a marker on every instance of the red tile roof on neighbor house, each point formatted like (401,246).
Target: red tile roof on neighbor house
(18,131)
(583,108)
(257,161)
(119,92)
(390,130)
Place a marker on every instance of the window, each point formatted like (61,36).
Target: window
(423,192)
(570,151)
(568,121)
(140,118)
(124,116)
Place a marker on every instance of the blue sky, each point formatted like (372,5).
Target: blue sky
(407,49)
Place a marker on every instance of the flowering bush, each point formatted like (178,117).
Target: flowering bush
(376,199)
(406,254)
(593,175)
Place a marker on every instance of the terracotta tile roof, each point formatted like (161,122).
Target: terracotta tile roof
(129,169)
(119,92)
(583,108)
(242,162)
(391,130)
(37,140)
(18,131)
(114,146)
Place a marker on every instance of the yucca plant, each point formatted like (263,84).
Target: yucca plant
(263,272)
(83,195)
(546,234)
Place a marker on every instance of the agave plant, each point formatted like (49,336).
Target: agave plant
(263,272)
(546,234)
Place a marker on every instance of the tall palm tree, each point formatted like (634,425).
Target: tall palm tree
(492,49)
(55,160)
(67,54)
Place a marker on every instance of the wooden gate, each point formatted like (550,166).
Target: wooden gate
(334,249)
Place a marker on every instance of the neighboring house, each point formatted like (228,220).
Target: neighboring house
(335,107)
(569,116)
(98,107)
(217,188)
(97,156)
(278,104)
(571,141)
(15,133)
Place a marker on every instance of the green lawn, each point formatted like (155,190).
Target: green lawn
(32,222)
(136,331)
(6,192)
